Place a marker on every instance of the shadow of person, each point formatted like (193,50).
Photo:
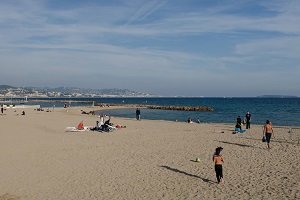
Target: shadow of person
(238,144)
(188,174)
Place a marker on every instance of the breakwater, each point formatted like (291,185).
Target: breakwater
(183,108)
(153,107)
(157,107)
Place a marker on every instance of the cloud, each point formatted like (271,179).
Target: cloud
(133,42)
(145,10)
(287,47)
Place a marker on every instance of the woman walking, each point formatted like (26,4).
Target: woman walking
(218,160)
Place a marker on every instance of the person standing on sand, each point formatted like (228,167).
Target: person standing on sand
(248,119)
(2,109)
(138,114)
(218,160)
(268,131)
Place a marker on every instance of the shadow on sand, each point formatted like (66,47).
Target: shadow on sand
(272,140)
(238,144)
(185,173)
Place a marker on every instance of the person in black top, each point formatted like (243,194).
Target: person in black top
(105,126)
(248,119)
(239,122)
(138,114)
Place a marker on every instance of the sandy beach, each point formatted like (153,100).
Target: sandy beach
(146,160)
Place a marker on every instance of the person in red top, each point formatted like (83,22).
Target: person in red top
(80,126)
(218,160)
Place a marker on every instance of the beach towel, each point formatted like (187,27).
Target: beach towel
(80,127)
(238,130)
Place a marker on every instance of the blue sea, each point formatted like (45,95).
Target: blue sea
(280,111)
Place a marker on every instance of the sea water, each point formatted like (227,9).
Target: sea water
(280,111)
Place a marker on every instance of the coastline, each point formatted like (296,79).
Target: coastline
(283,112)
(149,159)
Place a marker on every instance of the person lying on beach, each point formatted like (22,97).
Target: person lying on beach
(218,160)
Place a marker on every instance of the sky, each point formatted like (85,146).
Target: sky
(211,48)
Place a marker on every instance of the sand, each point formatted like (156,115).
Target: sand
(146,160)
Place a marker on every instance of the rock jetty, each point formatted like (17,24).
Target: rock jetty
(183,108)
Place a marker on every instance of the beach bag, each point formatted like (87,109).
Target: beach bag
(263,139)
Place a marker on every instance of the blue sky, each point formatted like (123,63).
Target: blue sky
(163,47)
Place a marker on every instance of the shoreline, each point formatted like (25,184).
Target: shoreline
(225,110)
(117,107)
(125,107)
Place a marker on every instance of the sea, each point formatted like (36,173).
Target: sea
(280,111)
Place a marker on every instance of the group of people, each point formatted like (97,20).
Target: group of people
(2,111)
(103,125)
(239,122)
(190,121)
(267,130)
(218,158)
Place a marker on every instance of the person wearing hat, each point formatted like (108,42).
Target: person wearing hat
(218,160)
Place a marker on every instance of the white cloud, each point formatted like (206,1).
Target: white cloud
(95,42)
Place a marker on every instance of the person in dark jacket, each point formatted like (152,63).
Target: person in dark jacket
(138,114)
(248,119)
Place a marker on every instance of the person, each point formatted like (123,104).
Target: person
(105,126)
(239,122)
(2,109)
(268,131)
(107,122)
(189,120)
(138,114)
(23,112)
(218,160)
(238,126)
(97,127)
(248,119)
(80,126)
(101,119)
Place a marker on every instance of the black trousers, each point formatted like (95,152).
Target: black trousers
(247,124)
(219,172)
(268,137)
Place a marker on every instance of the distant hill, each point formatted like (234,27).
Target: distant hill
(5,87)
(277,96)
(68,92)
